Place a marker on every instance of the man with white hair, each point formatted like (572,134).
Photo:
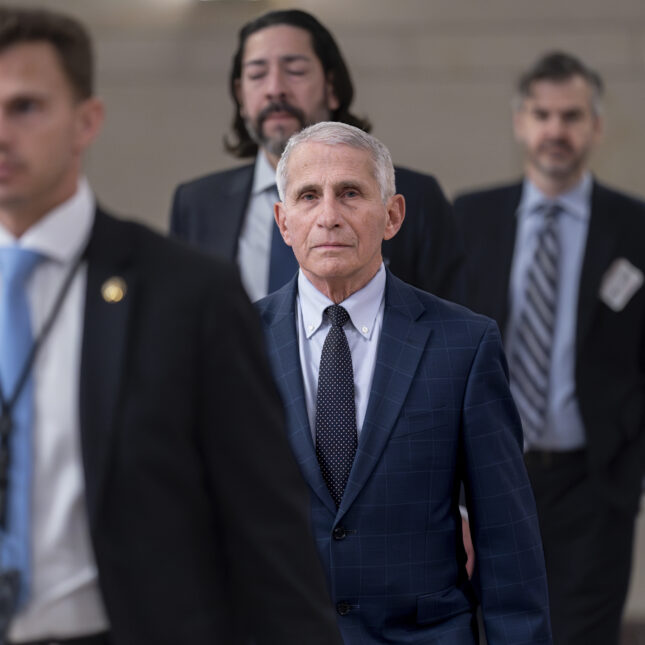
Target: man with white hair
(394,398)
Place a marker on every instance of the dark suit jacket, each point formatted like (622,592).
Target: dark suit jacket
(439,412)
(427,251)
(197,510)
(610,345)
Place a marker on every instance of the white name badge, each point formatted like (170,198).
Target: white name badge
(620,282)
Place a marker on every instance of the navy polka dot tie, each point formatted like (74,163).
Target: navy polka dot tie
(336,436)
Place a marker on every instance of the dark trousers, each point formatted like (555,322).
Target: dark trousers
(587,549)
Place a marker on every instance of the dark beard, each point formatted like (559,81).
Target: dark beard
(274,145)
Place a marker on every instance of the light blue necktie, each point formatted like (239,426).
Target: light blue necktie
(16,341)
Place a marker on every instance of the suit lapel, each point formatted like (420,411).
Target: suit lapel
(105,338)
(239,199)
(601,243)
(227,207)
(285,356)
(501,261)
(401,346)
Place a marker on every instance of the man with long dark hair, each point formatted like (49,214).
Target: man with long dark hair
(287,73)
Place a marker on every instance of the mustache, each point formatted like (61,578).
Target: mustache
(556,143)
(281,106)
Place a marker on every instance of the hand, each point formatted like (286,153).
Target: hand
(468,547)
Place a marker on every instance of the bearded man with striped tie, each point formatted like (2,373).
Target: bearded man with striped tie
(558,261)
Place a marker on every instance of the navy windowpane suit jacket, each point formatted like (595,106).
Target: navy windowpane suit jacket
(439,413)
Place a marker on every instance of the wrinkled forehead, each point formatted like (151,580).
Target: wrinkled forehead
(316,162)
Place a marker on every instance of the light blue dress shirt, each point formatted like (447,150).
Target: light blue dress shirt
(365,308)
(564,429)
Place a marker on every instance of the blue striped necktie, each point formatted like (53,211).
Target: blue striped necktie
(530,360)
(16,342)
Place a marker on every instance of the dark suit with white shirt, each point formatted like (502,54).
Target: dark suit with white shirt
(197,511)
(610,390)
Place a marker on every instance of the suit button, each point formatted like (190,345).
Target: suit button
(339,533)
(343,608)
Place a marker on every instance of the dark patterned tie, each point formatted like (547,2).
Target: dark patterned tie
(336,436)
(531,352)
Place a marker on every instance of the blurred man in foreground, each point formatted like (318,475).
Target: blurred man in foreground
(142,500)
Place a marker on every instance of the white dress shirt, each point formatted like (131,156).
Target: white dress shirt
(254,244)
(365,308)
(65,599)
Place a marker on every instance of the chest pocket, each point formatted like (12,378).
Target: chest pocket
(414,425)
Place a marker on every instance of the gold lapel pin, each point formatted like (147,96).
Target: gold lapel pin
(114,289)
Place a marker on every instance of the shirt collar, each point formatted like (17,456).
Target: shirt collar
(263,175)
(63,232)
(575,201)
(362,306)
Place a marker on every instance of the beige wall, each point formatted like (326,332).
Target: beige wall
(435,77)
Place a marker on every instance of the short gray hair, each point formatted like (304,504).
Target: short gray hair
(335,133)
(559,67)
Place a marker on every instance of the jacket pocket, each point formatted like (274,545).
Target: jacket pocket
(418,422)
(442,605)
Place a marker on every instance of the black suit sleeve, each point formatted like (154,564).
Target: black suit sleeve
(428,250)
(278,584)
(178,215)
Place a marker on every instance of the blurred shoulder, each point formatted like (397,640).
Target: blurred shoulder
(170,260)
(221,180)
